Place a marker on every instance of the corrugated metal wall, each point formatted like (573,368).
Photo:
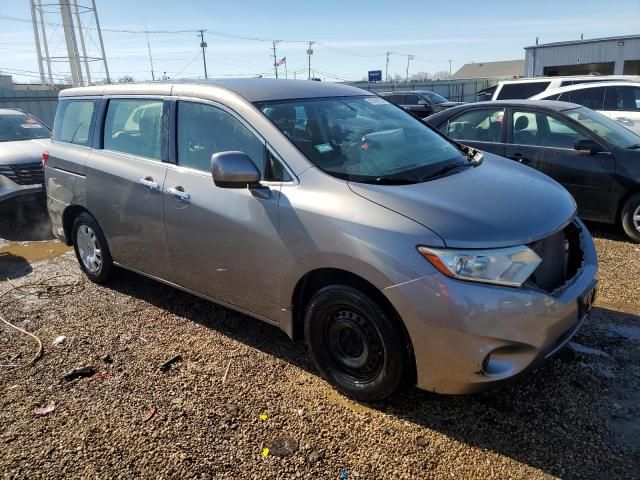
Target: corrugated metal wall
(536,58)
(40,103)
(464,90)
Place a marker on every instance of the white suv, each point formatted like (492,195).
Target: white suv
(619,101)
(528,87)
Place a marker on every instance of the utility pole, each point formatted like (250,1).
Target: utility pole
(153,76)
(309,53)
(203,45)
(409,58)
(449,68)
(275,58)
(386,69)
(72,46)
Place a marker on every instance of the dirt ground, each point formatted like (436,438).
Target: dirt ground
(241,386)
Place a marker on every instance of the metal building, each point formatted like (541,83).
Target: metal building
(605,56)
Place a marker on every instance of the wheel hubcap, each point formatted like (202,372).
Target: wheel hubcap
(89,248)
(636,218)
(354,344)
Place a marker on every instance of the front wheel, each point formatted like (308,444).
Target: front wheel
(631,217)
(355,344)
(91,248)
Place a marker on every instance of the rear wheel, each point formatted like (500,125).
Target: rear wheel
(631,217)
(355,344)
(91,248)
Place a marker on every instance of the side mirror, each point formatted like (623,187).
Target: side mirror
(233,170)
(587,145)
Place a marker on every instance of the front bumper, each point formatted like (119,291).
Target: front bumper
(468,335)
(10,189)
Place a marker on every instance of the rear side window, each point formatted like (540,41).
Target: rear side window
(74,121)
(521,90)
(134,126)
(622,99)
(589,97)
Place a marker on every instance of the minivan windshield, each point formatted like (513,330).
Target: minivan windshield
(604,127)
(20,126)
(364,139)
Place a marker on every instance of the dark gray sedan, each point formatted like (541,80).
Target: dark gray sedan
(421,103)
(593,157)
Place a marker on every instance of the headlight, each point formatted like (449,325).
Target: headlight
(503,266)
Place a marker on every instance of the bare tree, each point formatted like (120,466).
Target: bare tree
(420,76)
(441,75)
(126,79)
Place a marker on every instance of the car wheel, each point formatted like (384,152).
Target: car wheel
(355,344)
(91,248)
(631,217)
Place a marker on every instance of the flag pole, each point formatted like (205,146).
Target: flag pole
(286,75)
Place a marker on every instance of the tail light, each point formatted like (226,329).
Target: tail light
(45,158)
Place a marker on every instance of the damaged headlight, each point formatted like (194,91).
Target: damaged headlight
(503,266)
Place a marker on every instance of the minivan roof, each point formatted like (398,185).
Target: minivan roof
(252,89)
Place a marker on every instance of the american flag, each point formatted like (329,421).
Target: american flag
(282,61)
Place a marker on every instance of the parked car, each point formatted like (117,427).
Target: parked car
(619,101)
(593,157)
(21,145)
(325,210)
(421,103)
(528,87)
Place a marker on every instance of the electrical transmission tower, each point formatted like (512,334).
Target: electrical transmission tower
(78,21)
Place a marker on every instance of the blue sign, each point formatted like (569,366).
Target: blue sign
(375,75)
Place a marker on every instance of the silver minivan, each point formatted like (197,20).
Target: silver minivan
(397,254)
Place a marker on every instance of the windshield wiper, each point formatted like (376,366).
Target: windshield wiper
(392,181)
(637,145)
(445,169)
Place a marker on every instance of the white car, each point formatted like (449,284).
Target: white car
(523,88)
(619,101)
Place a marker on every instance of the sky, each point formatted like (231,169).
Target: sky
(351,37)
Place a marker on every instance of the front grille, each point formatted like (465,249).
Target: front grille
(24,173)
(562,258)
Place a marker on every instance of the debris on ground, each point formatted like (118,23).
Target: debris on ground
(316,456)
(265,452)
(166,365)
(283,446)
(59,340)
(45,410)
(149,415)
(263,416)
(422,442)
(78,373)
(99,376)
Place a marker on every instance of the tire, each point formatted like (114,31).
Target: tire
(631,218)
(355,344)
(91,248)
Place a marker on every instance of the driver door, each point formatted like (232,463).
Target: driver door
(223,242)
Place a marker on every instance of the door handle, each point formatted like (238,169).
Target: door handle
(149,183)
(178,193)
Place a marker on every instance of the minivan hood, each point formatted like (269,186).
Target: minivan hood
(499,203)
(22,151)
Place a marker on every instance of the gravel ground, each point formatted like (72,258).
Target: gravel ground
(242,386)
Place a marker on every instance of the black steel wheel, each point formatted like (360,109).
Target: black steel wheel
(355,344)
